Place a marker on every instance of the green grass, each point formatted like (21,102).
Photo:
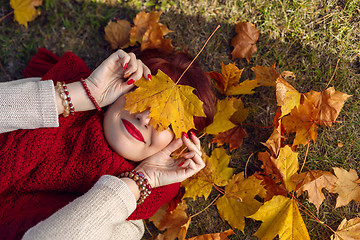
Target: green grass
(307,37)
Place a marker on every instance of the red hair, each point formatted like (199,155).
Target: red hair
(174,64)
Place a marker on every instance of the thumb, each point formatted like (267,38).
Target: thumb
(173,146)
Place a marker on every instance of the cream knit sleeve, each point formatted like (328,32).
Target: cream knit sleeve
(100,213)
(27,104)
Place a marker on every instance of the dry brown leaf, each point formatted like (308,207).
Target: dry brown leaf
(347,186)
(265,76)
(329,102)
(244,42)
(271,177)
(117,33)
(313,182)
(234,137)
(214,236)
(274,143)
(175,222)
(348,230)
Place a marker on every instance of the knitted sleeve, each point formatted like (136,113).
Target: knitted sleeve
(27,104)
(99,214)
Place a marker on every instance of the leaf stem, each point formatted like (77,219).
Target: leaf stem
(206,207)
(218,26)
(337,63)
(223,192)
(6,15)
(307,151)
(309,213)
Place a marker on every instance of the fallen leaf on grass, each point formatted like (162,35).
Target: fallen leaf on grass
(329,104)
(25,11)
(244,42)
(215,172)
(169,104)
(238,201)
(117,33)
(214,236)
(287,96)
(175,222)
(270,176)
(302,121)
(142,21)
(313,182)
(234,137)
(347,186)
(280,216)
(154,38)
(348,230)
(265,76)
(224,110)
(228,81)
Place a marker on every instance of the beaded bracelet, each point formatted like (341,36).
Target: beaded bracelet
(142,182)
(90,95)
(66,100)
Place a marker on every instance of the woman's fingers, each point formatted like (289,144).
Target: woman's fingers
(192,144)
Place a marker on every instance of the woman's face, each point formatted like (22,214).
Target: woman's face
(130,135)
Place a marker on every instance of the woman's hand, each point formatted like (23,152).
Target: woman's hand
(160,169)
(107,82)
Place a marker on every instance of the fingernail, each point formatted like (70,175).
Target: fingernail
(192,133)
(149,77)
(131,81)
(126,65)
(185,135)
(181,164)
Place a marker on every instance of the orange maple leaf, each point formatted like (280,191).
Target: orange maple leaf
(117,33)
(244,42)
(329,103)
(214,236)
(228,81)
(287,96)
(25,11)
(265,76)
(142,21)
(154,38)
(175,222)
(302,121)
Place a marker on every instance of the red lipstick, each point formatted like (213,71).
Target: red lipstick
(133,130)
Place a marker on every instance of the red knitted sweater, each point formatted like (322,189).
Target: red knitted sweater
(44,169)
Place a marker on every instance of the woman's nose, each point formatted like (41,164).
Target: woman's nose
(143,117)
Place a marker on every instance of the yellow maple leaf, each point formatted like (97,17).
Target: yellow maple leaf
(313,182)
(169,104)
(280,216)
(215,172)
(287,163)
(224,110)
(238,201)
(214,236)
(287,96)
(347,186)
(25,11)
(347,230)
(228,81)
